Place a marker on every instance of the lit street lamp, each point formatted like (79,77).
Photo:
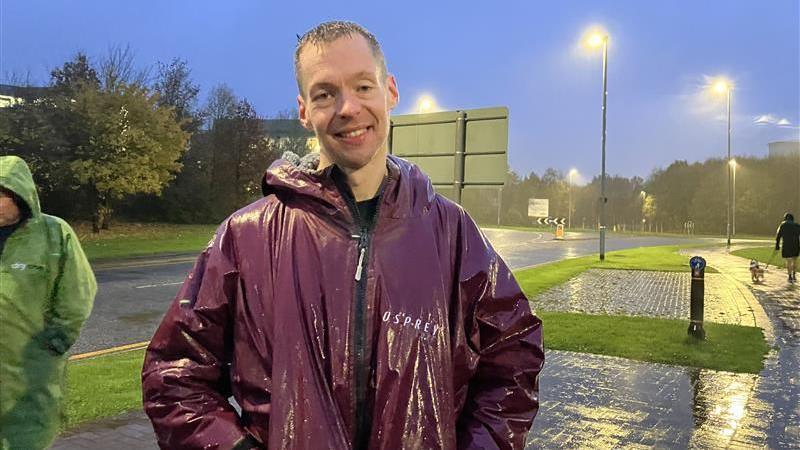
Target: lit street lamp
(572,173)
(643,195)
(426,104)
(595,40)
(722,86)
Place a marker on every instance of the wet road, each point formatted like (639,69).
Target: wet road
(133,295)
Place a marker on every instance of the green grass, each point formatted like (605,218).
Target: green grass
(102,387)
(730,348)
(628,232)
(126,240)
(727,347)
(664,258)
(762,254)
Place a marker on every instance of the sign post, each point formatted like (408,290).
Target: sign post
(456,149)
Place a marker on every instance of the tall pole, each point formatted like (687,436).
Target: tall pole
(730,183)
(569,206)
(603,164)
(733,211)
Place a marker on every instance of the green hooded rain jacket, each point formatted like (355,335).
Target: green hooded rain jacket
(46,293)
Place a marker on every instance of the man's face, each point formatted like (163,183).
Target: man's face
(346,101)
(9,212)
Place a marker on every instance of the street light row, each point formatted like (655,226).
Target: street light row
(597,39)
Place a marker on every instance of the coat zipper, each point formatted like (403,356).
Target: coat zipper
(359,343)
(362,417)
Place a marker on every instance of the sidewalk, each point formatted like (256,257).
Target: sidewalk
(592,401)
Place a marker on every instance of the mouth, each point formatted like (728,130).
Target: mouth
(353,136)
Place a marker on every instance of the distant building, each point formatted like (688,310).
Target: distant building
(784,148)
(11,95)
(284,129)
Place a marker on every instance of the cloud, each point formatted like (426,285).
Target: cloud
(769,119)
(765,119)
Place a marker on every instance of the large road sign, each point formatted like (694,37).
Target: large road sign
(538,207)
(455,148)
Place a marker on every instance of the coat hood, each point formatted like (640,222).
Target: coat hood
(408,192)
(16,177)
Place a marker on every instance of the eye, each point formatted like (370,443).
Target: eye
(321,96)
(364,88)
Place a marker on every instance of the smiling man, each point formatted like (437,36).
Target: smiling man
(352,306)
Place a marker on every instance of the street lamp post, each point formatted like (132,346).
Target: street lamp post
(572,172)
(733,165)
(730,170)
(725,87)
(597,40)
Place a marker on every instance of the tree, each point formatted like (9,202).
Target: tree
(135,147)
(175,89)
(221,104)
(74,76)
(94,140)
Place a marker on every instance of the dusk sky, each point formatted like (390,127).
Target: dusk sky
(523,55)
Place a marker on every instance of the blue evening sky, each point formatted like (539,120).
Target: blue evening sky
(523,55)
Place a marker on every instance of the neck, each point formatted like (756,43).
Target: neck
(365,181)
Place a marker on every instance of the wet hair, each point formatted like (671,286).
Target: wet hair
(327,32)
(788,217)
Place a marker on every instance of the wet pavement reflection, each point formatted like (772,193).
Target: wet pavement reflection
(593,401)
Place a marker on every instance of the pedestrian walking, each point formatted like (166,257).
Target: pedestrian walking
(352,307)
(789,232)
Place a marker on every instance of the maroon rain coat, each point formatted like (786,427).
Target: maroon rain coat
(435,348)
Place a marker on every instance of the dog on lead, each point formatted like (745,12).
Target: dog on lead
(756,272)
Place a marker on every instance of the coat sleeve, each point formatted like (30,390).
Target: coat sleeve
(503,393)
(185,384)
(778,235)
(73,293)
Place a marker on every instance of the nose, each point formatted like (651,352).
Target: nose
(348,104)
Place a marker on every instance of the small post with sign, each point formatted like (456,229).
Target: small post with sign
(698,265)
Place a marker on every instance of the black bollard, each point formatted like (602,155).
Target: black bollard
(698,265)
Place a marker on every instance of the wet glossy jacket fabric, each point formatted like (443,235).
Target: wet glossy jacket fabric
(267,315)
(46,293)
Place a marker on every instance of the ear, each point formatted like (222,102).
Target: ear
(301,113)
(393,94)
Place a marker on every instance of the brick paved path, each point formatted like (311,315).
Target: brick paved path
(773,410)
(645,293)
(130,431)
(592,401)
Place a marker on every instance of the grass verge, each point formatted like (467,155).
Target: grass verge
(665,258)
(727,347)
(762,254)
(731,348)
(102,387)
(125,240)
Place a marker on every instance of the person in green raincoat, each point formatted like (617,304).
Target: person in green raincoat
(47,289)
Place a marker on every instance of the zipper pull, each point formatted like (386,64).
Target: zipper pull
(360,264)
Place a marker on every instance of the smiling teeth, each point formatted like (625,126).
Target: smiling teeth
(355,133)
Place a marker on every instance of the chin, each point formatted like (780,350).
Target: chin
(354,159)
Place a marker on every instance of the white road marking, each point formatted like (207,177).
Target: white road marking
(158,285)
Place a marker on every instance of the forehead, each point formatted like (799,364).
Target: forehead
(346,57)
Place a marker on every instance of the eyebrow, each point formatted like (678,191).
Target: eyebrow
(364,74)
